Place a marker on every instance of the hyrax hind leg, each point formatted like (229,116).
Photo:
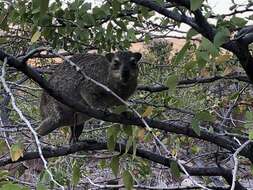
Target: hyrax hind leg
(48,125)
(75,132)
(53,116)
(77,126)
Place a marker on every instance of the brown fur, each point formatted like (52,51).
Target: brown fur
(120,78)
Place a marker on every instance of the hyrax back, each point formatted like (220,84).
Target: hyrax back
(118,71)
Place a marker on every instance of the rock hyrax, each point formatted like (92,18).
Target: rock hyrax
(118,71)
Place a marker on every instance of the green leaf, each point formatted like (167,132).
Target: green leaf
(195,126)
(121,24)
(4,22)
(134,148)
(44,177)
(147,38)
(221,37)
(174,169)
(145,12)
(209,47)
(195,4)
(200,116)
(35,36)
(45,20)
(16,151)
(165,21)
(3,174)
(115,165)
(251,135)
(98,12)
(10,186)
(86,6)
(233,96)
(113,130)
(172,81)
(128,129)
(251,169)
(191,33)
(111,142)
(36,5)
(249,119)
(102,164)
(202,55)
(204,116)
(40,186)
(129,144)
(148,137)
(249,116)
(35,11)
(195,149)
(76,173)
(43,7)
(131,35)
(89,19)
(181,54)
(239,22)
(128,180)
(3,146)
(205,50)
(112,134)
(116,7)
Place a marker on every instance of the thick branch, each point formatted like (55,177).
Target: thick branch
(159,88)
(164,11)
(90,145)
(201,25)
(128,119)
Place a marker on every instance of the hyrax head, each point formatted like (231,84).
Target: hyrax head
(123,66)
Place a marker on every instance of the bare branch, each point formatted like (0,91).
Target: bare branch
(148,128)
(164,11)
(128,119)
(159,88)
(236,162)
(21,115)
(90,145)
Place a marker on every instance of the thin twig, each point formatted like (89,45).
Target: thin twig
(23,59)
(27,123)
(150,187)
(237,163)
(78,69)
(232,106)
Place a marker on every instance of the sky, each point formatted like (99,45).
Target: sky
(219,6)
(222,6)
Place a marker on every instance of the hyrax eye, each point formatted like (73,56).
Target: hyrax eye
(133,62)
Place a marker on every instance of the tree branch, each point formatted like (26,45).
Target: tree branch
(91,145)
(128,119)
(201,25)
(159,88)
(164,11)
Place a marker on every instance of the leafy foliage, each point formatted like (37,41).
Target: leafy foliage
(192,97)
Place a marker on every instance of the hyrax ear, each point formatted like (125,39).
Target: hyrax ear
(109,56)
(137,56)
